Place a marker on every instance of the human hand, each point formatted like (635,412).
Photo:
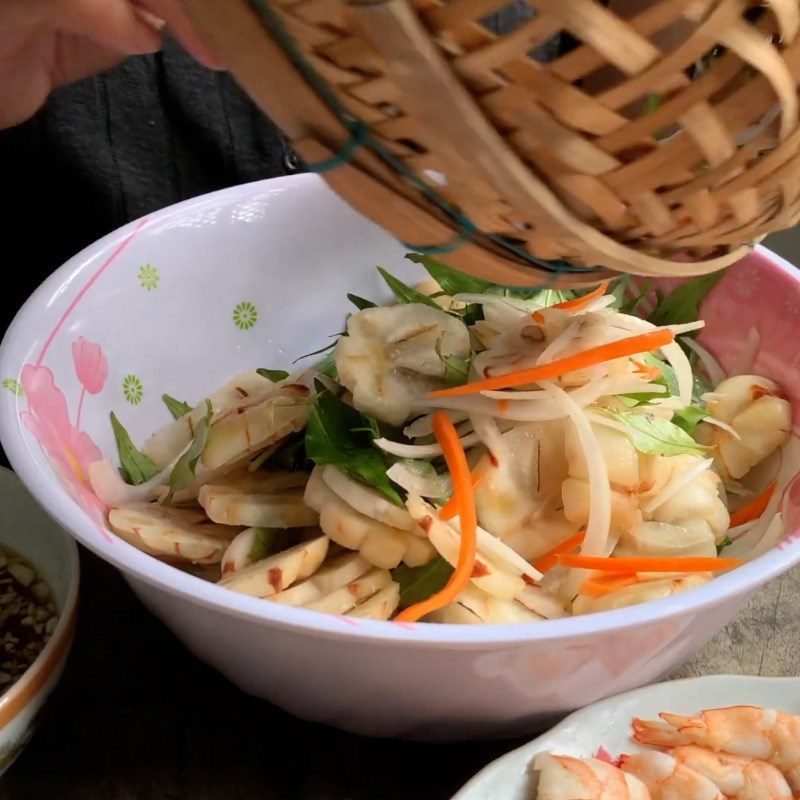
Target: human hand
(47,43)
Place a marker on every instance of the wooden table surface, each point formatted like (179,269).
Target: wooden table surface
(138,718)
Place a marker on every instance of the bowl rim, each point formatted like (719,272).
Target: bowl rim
(173,581)
(37,678)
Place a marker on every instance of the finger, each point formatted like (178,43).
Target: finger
(79,58)
(184,30)
(76,58)
(113,24)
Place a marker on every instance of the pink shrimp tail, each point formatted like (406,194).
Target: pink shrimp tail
(658,734)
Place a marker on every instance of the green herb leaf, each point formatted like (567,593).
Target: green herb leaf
(683,303)
(337,434)
(451,280)
(316,352)
(177,408)
(651,434)
(620,285)
(135,466)
(263,543)
(328,366)
(269,541)
(630,306)
(419,583)
(456,369)
(274,375)
(666,379)
(723,544)
(404,293)
(360,303)
(454,282)
(688,418)
(699,388)
(182,475)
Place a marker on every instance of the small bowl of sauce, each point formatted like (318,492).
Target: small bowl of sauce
(39,576)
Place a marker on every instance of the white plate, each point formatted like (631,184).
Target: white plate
(608,723)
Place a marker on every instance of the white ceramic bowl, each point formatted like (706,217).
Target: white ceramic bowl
(608,724)
(26,529)
(159,298)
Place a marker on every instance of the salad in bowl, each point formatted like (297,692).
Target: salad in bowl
(241,513)
(470,454)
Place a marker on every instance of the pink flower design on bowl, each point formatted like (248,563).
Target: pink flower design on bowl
(71,450)
(91,366)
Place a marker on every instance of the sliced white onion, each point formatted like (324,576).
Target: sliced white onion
(559,343)
(424,425)
(495,299)
(599,522)
(672,352)
(510,394)
(687,327)
(710,364)
(737,488)
(772,535)
(527,411)
(744,363)
(421,450)
(673,403)
(740,530)
(683,371)
(110,489)
(495,548)
(676,484)
(602,419)
(724,425)
(487,431)
(416,483)
(598,304)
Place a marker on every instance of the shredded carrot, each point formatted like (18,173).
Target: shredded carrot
(605,584)
(641,343)
(550,559)
(450,508)
(754,509)
(575,304)
(680,564)
(456,459)
(502,406)
(579,302)
(648,373)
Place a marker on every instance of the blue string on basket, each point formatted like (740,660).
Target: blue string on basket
(361,136)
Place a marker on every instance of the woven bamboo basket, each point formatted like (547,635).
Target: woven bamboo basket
(652,137)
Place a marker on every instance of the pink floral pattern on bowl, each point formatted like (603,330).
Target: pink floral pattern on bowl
(70,449)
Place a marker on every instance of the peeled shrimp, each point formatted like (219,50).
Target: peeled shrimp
(474,605)
(380,544)
(737,777)
(673,500)
(568,778)
(761,419)
(519,495)
(667,778)
(393,355)
(641,592)
(773,736)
